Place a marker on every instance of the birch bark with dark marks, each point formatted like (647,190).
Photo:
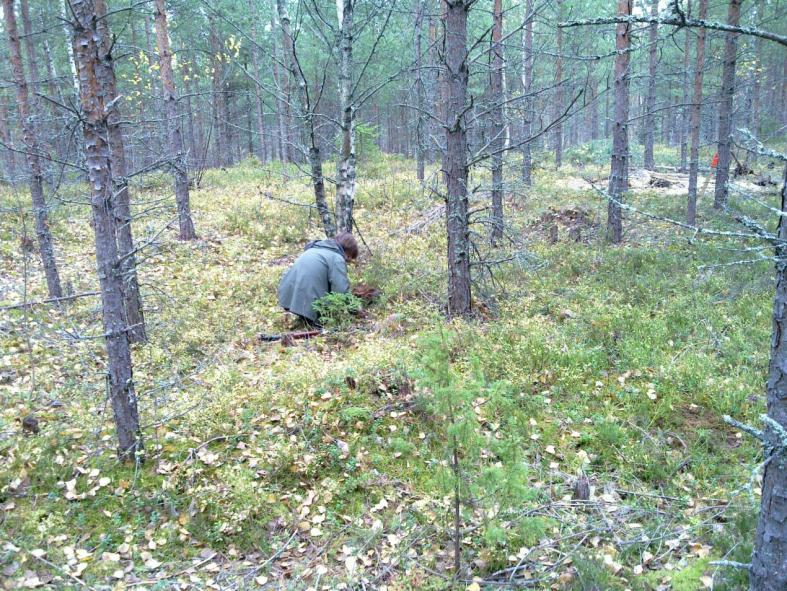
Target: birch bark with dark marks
(345,173)
(306,115)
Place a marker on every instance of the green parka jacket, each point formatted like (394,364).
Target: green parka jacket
(321,269)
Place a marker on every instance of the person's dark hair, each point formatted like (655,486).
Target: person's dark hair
(348,244)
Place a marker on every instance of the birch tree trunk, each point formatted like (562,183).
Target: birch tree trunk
(32,150)
(88,40)
(759,71)
(618,178)
(769,560)
(306,115)
(650,104)
(456,72)
(527,84)
(121,201)
(696,117)
(177,161)
(725,108)
(559,90)
(496,143)
(345,173)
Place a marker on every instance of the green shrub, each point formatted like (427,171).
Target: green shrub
(337,310)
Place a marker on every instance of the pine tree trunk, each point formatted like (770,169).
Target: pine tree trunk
(345,173)
(618,178)
(759,71)
(558,106)
(455,162)
(121,204)
(496,144)
(177,161)
(32,149)
(420,94)
(5,138)
(650,104)
(696,118)
(769,560)
(527,89)
(725,108)
(88,41)
(306,115)
(255,60)
(221,153)
(593,108)
(685,111)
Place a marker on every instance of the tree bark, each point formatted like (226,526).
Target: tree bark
(618,178)
(455,78)
(306,115)
(725,108)
(683,132)
(345,173)
(558,106)
(496,142)
(527,84)
(420,94)
(222,155)
(121,202)
(696,117)
(88,40)
(5,138)
(769,560)
(32,150)
(650,106)
(177,161)
(759,71)
(255,61)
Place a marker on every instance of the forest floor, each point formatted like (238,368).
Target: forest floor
(329,464)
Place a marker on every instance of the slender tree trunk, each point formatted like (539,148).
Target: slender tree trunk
(434,132)
(282,97)
(455,166)
(618,178)
(759,71)
(558,106)
(255,60)
(5,138)
(496,143)
(421,124)
(769,560)
(221,154)
(191,159)
(696,117)
(32,149)
(725,108)
(650,103)
(177,161)
(685,109)
(527,88)
(307,116)
(593,108)
(88,41)
(345,173)
(121,200)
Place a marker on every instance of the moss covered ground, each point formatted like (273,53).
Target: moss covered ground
(328,464)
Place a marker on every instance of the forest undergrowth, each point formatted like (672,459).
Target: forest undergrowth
(576,421)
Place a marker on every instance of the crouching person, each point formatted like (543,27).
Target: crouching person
(321,269)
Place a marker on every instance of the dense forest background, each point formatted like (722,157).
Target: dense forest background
(563,365)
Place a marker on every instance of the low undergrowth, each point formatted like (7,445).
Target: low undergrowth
(341,462)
